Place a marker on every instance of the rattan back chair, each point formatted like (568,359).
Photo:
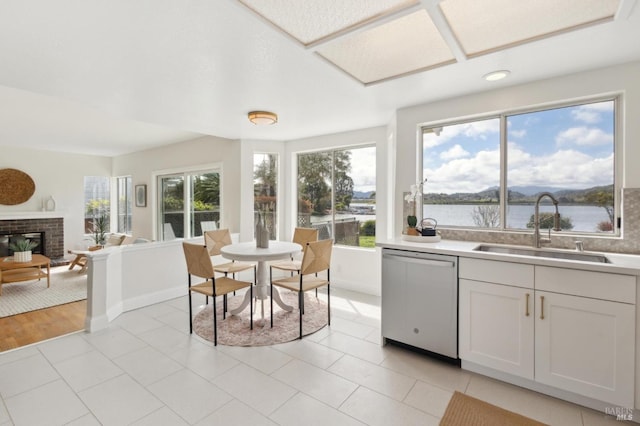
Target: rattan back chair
(316,258)
(199,265)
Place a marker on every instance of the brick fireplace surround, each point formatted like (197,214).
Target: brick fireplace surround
(53,229)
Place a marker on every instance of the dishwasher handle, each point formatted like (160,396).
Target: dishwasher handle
(430,262)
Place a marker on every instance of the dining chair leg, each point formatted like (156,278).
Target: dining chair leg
(190,309)
(301,309)
(215,324)
(271,293)
(271,303)
(251,306)
(328,304)
(224,306)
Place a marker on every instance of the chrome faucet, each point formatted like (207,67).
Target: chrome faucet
(537,240)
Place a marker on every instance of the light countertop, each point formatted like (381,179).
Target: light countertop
(620,263)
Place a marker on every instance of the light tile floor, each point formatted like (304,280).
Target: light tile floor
(146,369)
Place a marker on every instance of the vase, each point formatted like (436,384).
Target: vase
(22,256)
(411,231)
(262,234)
(50,204)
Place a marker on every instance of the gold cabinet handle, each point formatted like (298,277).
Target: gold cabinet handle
(526,312)
(541,307)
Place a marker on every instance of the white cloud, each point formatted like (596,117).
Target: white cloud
(517,133)
(591,113)
(584,136)
(465,174)
(454,152)
(475,129)
(566,168)
(363,169)
(589,117)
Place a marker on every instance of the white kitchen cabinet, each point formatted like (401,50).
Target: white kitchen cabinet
(496,326)
(579,335)
(585,346)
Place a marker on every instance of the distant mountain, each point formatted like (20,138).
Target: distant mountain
(533,190)
(362,195)
(517,194)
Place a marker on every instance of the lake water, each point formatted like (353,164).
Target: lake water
(584,218)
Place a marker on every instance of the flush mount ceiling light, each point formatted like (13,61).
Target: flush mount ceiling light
(496,75)
(263,117)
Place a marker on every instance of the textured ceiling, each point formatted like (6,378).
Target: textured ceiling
(395,44)
(310,21)
(107,78)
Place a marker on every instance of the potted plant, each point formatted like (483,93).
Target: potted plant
(413,197)
(22,249)
(99,231)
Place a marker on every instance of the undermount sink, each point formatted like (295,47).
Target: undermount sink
(522,251)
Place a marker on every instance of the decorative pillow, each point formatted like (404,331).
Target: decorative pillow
(115,239)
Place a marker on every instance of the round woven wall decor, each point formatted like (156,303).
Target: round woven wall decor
(16,187)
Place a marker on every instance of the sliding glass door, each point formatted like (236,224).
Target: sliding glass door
(188,203)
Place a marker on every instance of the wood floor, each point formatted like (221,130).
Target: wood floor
(30,327)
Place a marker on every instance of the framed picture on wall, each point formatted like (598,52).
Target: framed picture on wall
(141,195)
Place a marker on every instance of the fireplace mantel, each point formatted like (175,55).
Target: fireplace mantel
(31,215)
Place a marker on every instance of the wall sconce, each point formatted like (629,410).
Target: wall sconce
(262,117)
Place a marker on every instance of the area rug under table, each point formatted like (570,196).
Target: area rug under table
(26,296)
(464,410)
(235,331)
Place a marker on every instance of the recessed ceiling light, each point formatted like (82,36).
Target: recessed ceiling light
(496,75)
(263,117)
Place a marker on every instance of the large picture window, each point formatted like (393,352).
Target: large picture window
(96,201)
(336,194)
(124,197)
(567,151)
(188,203)
(265,191)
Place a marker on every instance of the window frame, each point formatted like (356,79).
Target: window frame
(273,233)
(128,202)
(616,98)
(186,174)
(331,151)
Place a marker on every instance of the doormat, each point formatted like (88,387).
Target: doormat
(464,410)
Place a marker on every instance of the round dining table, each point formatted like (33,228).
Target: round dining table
(249,252)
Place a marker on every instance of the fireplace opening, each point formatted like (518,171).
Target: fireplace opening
(7,239)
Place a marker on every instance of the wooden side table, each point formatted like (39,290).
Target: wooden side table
(11,272)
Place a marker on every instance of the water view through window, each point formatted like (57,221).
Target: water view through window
(566,151)
(336,194)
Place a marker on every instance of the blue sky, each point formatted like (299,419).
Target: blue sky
(570,147)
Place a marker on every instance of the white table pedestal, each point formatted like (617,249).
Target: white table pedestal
(248,252)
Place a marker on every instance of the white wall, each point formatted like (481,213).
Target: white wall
(621,79)
(351,268)
(60,175)
(205,151)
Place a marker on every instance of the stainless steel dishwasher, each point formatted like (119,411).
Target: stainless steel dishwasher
(420,300)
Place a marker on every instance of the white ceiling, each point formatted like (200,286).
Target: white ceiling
(111,77)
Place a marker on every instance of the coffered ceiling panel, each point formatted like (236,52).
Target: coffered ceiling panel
(309,21)
(488,25)
(399,47)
